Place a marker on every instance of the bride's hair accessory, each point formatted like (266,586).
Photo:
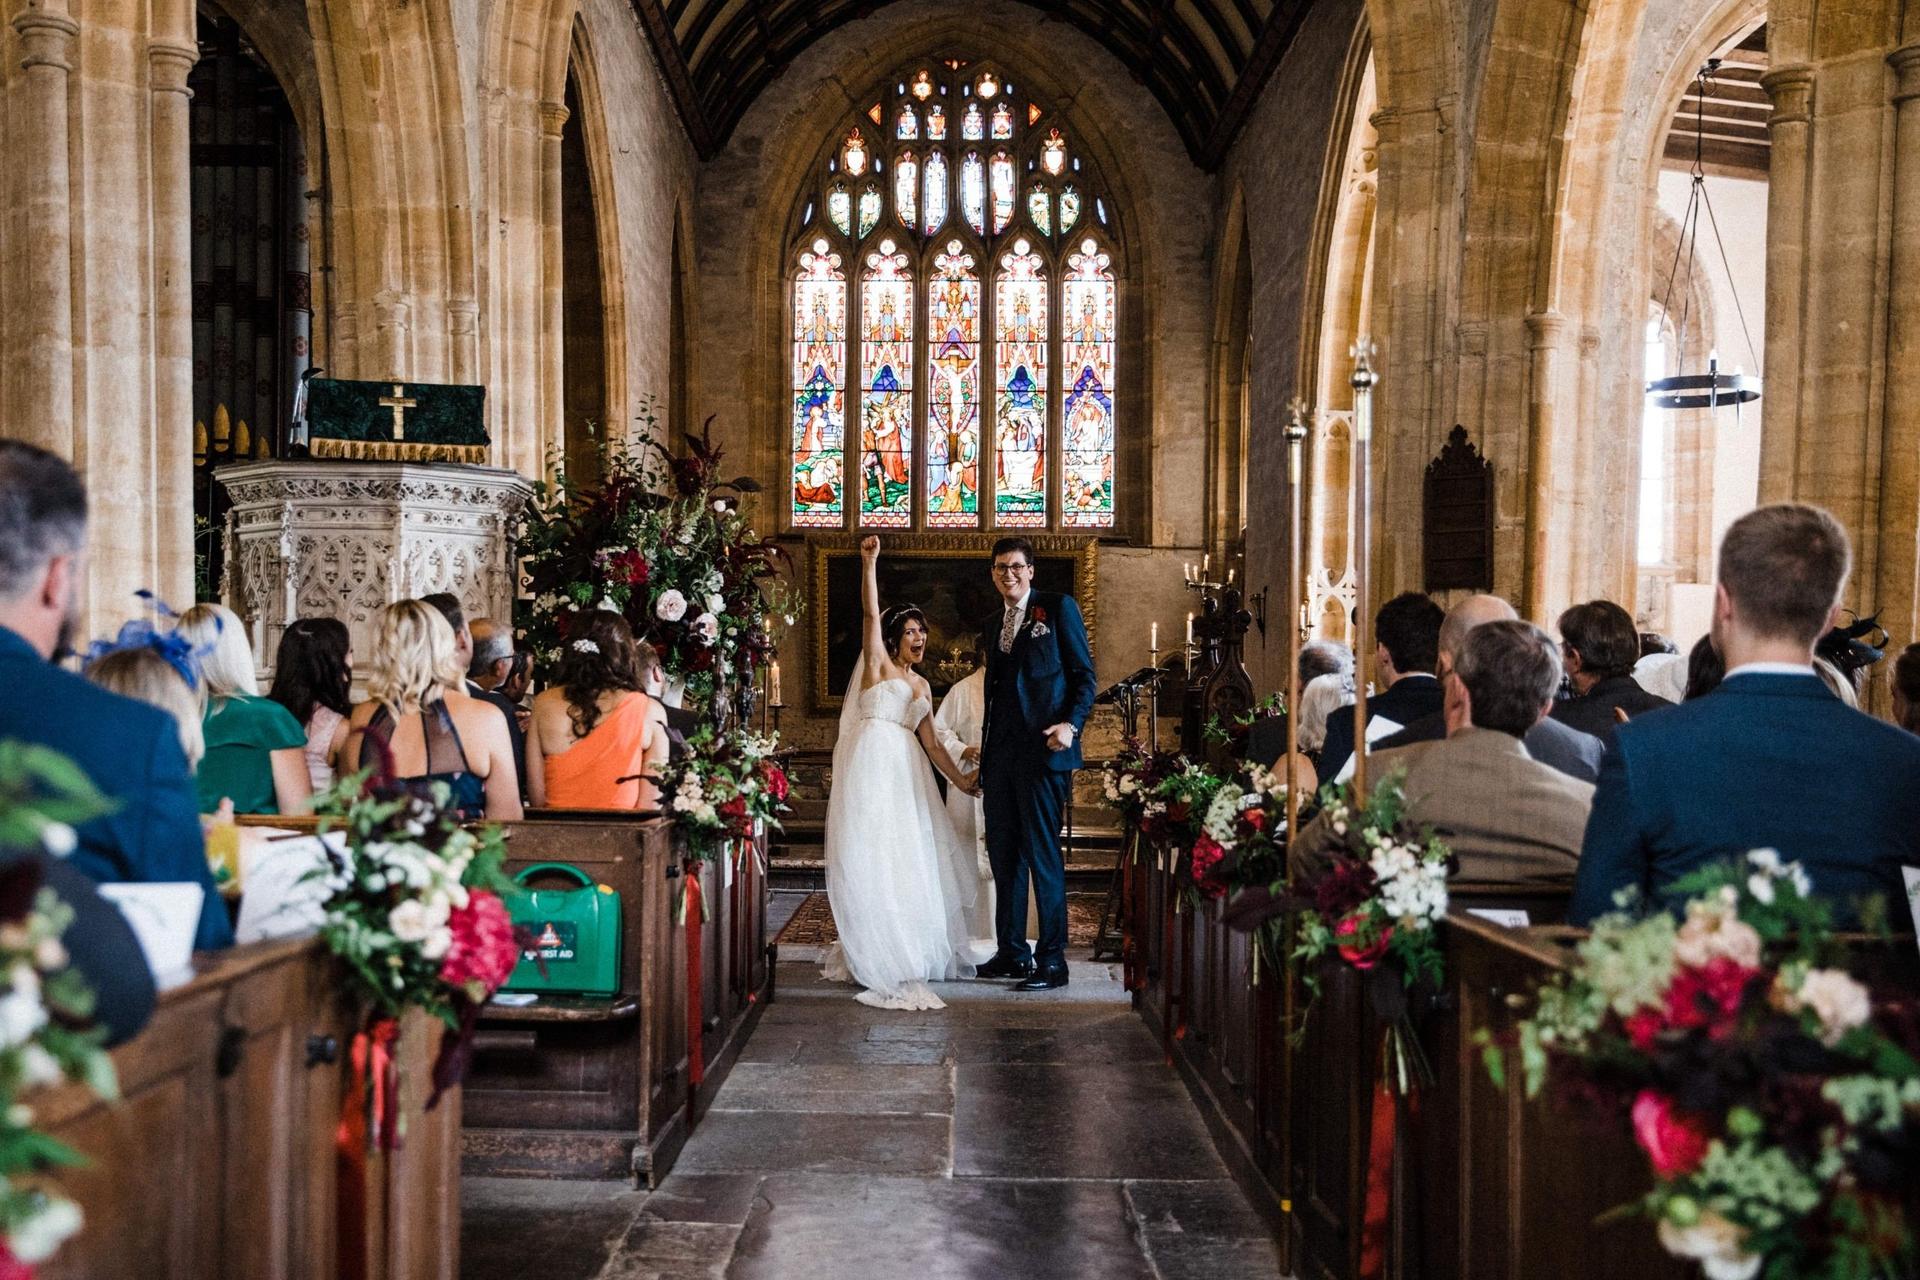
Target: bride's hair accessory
(140,633)
(585,646)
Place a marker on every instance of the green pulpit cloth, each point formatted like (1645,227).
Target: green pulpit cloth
(396,421)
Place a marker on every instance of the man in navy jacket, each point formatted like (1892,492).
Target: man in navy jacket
(130,750)
(1040,687)
(1770,759)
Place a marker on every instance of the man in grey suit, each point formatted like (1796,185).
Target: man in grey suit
(1505,815)
(1567,749)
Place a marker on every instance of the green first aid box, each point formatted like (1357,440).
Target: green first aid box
(576,933)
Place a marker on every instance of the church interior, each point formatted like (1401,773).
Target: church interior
(1253,319)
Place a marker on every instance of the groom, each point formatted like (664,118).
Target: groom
(1040,687)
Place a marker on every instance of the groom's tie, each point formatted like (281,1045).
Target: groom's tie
(1008,625)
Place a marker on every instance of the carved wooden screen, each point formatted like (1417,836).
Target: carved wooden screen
(1457,519)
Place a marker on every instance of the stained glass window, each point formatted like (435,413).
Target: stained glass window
(906,189)
(1020,383)
(973,191)
(886,405)
(1086,414)
(819,387)
(936,204)
(954,346)
(953,392)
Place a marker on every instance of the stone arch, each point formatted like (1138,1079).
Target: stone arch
(1227,386)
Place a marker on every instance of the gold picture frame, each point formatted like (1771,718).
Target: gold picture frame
(931,566)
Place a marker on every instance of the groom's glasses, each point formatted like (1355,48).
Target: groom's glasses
(1011,570)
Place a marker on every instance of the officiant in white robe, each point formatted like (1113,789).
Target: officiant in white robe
(958,725)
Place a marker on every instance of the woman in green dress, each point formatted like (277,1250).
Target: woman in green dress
(255,748)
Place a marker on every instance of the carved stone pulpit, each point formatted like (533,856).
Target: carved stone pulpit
(343,539)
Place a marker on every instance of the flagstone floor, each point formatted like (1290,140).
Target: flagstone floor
(1007,1135)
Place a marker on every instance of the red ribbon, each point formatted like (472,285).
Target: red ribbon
(1373,1226)
(369,1118)
(696,1057)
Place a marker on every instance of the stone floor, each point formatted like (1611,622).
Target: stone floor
(1033,1135)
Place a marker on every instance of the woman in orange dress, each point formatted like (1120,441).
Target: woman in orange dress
(595,733)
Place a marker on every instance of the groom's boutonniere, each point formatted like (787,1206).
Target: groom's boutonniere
(1039,621)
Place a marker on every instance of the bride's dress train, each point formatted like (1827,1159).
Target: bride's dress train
(891,853)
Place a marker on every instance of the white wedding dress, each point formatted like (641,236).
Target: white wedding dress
(891,855)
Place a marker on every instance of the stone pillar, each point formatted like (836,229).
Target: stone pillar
(40,400)
(551,428)
(1545,333)
(1895,595)
(1788,130)
(170,56)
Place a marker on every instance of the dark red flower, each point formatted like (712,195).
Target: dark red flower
(735,812)
(11,1268)
(484,951)
(1256,819)
(1675,1141)
(629,567)
(1203,859)
(1361,955)
(776,780)
(1039,614)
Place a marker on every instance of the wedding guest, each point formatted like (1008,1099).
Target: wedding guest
(1319,700)
(313,680)
(145,676)
(1600,647)
(1652,642)
(419,726)
(1553,744)
(1838,684)
(463,646)
(681,722)
(1906,689)
(1504,814)
(1705,670)
(1324,658)
(596,738)
(1407,647)
(1718,776)
(130,751)
(256,750)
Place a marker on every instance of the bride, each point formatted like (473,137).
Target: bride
(898,903)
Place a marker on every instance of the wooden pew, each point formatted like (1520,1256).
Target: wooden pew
(218,1163)
(600,1088)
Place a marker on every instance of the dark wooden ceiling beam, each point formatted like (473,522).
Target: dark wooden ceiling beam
(680,85)
(1283,24)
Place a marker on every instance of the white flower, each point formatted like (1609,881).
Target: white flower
(585,646)
(1714,928)
(40,1235)
(38,1067)
(1837,1000)
(607,605)
(711,582)
(671,606)
(715,604)
(1715,1243)
(21,1012)
(58,838)
(408,921)
(707,628)
(438,943)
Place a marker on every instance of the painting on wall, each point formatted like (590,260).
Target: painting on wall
(947,577)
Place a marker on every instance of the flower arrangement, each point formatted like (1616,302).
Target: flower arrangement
(45,1005)
(726,789)
(662,540)
(413,908)
(1775,1095)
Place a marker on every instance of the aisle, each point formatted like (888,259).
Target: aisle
(1038,1135)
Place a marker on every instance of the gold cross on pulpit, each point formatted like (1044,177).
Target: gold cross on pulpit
(399,402)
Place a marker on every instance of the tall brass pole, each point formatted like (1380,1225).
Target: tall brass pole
(1296,438)
(1362,383)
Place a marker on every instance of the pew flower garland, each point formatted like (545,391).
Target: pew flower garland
(1776,1096)
(1371,895)
(413,908)
(727,789)
(46,1006)
(663,541)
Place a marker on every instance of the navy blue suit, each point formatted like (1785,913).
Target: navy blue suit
(1765,761)
(1046,679)
(132,753)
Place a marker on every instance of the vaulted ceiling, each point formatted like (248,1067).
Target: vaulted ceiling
(1204,60)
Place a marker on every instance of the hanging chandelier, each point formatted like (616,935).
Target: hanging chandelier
(1715,387)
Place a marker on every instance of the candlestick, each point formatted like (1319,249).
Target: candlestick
(1154,638)
(1206,564)
(773,686)
(1362,383)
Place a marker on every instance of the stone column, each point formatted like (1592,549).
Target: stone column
(40,403)
(1545,332)
(170,56)
(551,427)
(1788,129)
(1895,594)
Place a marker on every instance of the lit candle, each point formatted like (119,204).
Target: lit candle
(773,686)
(1229,575)
(1189,629)
(1206,564)
(1154,643)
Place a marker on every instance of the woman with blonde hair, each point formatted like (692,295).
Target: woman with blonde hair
(420,726)
(596,738)
(145,676)
(255,749)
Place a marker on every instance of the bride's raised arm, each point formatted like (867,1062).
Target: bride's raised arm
(873,635)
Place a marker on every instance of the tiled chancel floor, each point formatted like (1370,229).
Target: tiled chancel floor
(1006,1135)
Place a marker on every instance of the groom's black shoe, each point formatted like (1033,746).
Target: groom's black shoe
(1006,967)
(1044,979)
